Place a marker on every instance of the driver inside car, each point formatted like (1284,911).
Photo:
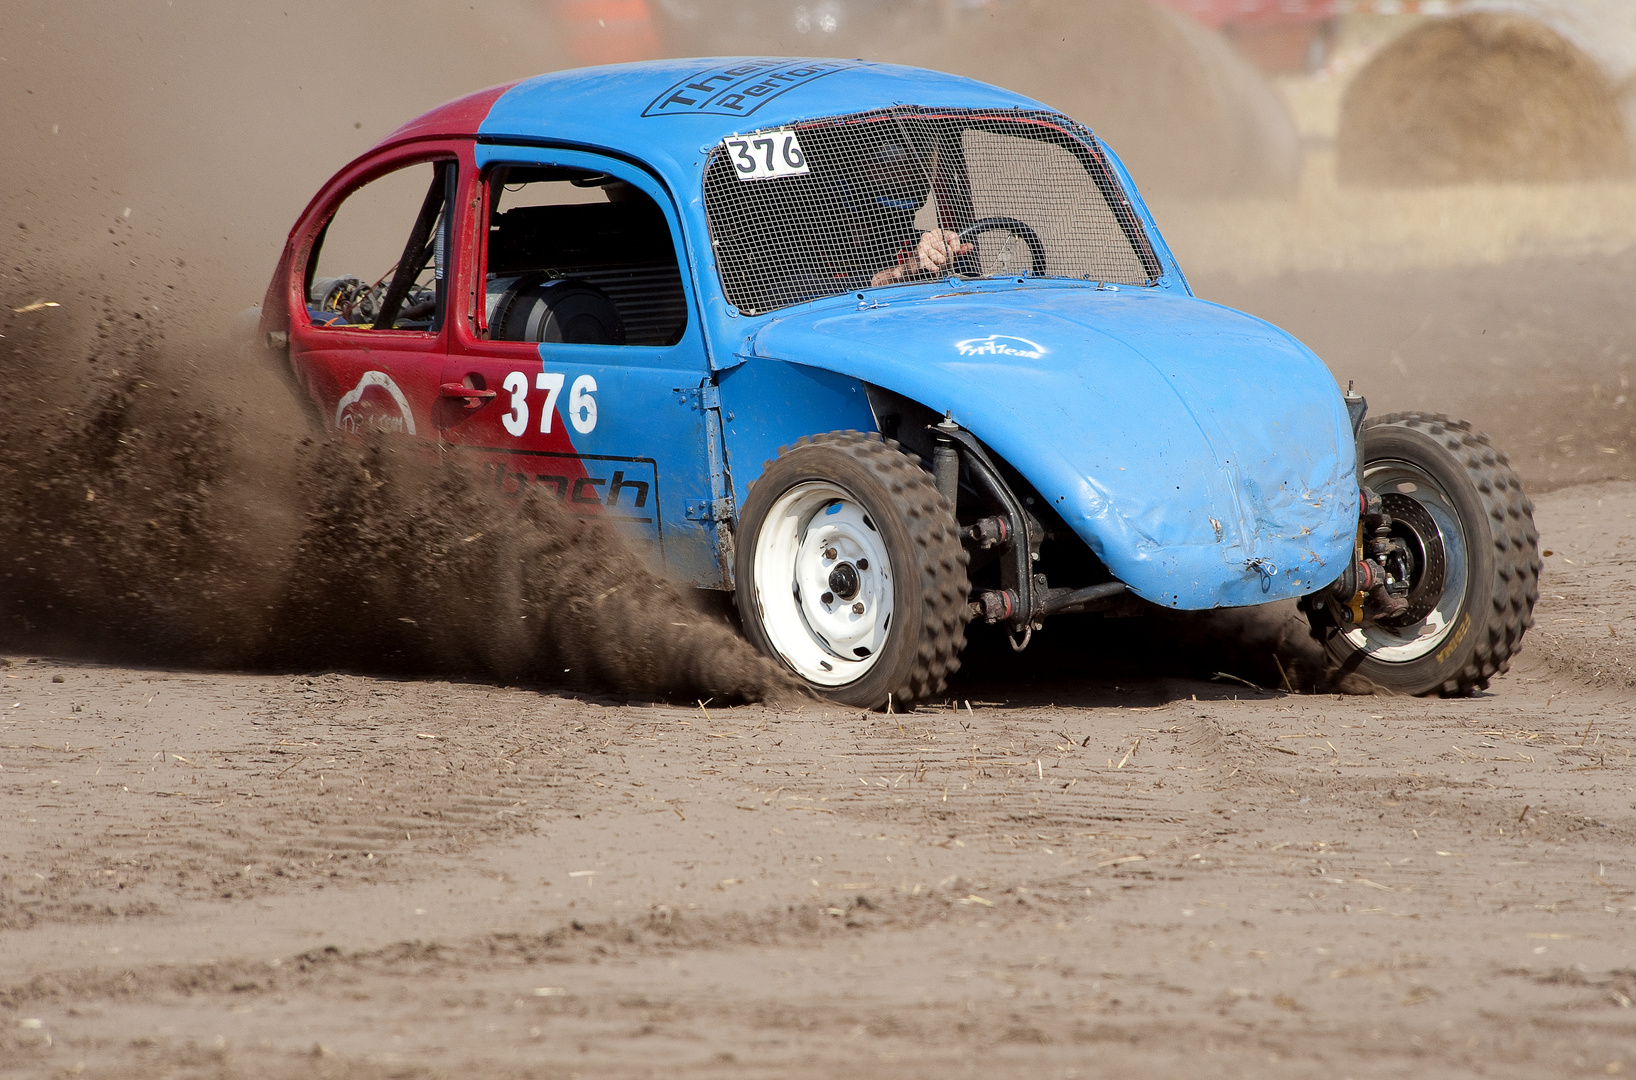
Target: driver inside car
(869,237)
(898,187)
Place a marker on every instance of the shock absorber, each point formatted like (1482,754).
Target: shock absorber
(946,465)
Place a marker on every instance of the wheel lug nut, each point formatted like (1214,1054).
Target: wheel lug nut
(863,564)
(857,609)
(830,553)
(828,598)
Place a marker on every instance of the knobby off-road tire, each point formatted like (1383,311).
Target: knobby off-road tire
(850,570)
(1447,488)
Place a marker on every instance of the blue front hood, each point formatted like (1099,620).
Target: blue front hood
(1205,456)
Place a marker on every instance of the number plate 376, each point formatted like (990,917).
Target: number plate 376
(769,154)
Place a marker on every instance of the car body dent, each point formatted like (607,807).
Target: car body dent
(1205,456)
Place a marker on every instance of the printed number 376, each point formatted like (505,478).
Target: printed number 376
(581,409)
(772,153)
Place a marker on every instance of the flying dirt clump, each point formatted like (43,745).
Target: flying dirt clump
(167,503)
(1481,97)
(410,561)
(136,524)
(1187,114)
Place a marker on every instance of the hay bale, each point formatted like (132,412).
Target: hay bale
(1481,97)
(1186,113)
(1604,29)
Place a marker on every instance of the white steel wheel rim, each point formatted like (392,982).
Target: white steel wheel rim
(824,584)
(1401,645)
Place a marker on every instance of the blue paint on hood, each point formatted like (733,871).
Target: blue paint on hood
(1205,456)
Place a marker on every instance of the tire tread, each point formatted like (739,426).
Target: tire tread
(1516,547)
(941,557)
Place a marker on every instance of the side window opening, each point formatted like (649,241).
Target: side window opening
(380,262)
(582,257)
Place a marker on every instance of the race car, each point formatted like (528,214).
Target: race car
(881,351)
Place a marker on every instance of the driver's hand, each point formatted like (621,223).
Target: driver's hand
(932,255)
(938,249)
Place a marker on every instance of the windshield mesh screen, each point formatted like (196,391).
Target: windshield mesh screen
(836,205)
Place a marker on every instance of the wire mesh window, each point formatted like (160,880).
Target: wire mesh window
(836,205)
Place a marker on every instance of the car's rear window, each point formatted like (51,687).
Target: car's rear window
(824,206)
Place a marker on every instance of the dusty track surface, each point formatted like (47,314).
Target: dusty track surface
(233,875)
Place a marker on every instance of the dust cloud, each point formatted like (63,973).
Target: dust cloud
(168,500)
(155,520)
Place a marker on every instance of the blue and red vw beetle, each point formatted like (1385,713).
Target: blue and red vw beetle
(882,351)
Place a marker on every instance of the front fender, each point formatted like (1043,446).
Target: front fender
(1204,456)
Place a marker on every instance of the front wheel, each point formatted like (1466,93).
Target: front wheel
(1469,530)
(850,571)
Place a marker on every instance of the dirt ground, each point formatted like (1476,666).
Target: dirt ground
(323,875)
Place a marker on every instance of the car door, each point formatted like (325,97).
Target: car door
(371,337)
(583,350)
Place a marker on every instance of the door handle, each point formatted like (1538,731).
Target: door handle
(475,398)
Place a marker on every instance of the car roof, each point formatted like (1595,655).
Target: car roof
(678,109)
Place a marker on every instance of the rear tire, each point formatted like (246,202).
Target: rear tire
(850,571)
(1463,512)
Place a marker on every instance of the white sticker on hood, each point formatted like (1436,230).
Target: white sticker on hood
(1001,345)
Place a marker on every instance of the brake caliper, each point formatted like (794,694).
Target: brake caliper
(1385,571)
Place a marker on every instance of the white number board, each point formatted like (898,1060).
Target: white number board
(769,154)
